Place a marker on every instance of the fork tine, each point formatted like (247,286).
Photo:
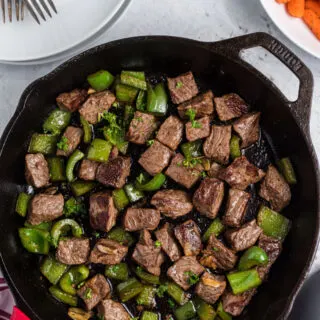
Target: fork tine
(30,9)
(46,8)
(22,10)
(37,7)
(53,6)
(17,5)
(3,11)
(10,10)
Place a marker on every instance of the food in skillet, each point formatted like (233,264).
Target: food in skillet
(139,203)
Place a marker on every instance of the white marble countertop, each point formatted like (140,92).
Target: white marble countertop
(204,20)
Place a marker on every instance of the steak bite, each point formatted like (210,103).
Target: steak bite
(230,106)
(171,132)
(244,237)
(172,203)
(141,127)
(248,128)
(186,176)
(241,173)
(71,101)
(210,287)
(234,304)
(136,219)
(37,170)
(199,132)
(202,105)
(88,169)
(72,137)
(168,243)
(188,234)
(45,207)
(108,252)
(155,158)
(96,104)
(73,251)
(103,213)
(180,272)
(208,197)
(236,207)
(112,310)
(275,189)
(217,145)
(147,255)
(114,172)
(94,290)
(182,88)
(214,170)
(218,256)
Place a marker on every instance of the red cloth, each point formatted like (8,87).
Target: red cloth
(18,315)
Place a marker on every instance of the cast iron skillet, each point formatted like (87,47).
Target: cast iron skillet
(285,124)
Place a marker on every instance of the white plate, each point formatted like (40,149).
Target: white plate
(76,23)
(295,29)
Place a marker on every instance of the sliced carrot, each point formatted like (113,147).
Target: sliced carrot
(282,1)
(314,6)
(313,22)
(296,8)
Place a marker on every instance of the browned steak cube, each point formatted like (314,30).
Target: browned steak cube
(88,169)
(73,251)
(202,105)
(114,172)
(182,88)
(236,207)
(208,197)
(234,304)
(210,287)
(103,213)
(72,137)
(273,248)
(45,207)
(141,127)
(108,252)
(202,130)
(111,310)
(97,103)
(37,170)
(168,243)
(172,203)
(214,170)
(245,237)
(147,255)
(241,173)
(275,189)
(230,106)
(248,128)
(94,291)
(136,219)
(185,176)
(217,145)
(218,256)
(180,272)
(71,101)
(171,132)
(188,234)
(155,158)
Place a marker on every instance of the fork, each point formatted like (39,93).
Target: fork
(33,7)
(19,8)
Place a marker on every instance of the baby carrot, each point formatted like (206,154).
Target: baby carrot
(296,8)
(313,22)
(314,6)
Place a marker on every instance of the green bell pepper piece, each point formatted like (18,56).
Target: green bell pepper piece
(79,188)
(185,312)
(125,93)
(100,80)
(99,150)
(57,121)
(235,150)
(134,79)
(154,184)
(61,227)
(72,161)
(117,272)
(273,223)
(176,293)
(254,256)
(87,130)
(35,240)
(216,227)
(205,311)
(69,281)
(148,315)
(242,281)
(120,235)
(287,170)
(141,101)
(146,296)
(23,203)
(52,269)
(43,143)
(147,277)
(133,193)
(120,199)
(46,226)
(157,100)
(57,169)
(129,289)
(192,149)
(222,314)
(63,297)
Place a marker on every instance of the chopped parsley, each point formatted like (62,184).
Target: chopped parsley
(74,207)
(116,105)
(88,293)
(215,249)
(63,144)
(150,142)
(171,303)
(111,118)
(141,178)
(115,268)
(101,317)
(139,119)
(203,174)
(96,234)
(81,284)
(162,290)
(191,163)
(191,113)
(179,85)
(192,277)
(157,244)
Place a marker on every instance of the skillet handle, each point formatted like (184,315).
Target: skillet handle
(302,106)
